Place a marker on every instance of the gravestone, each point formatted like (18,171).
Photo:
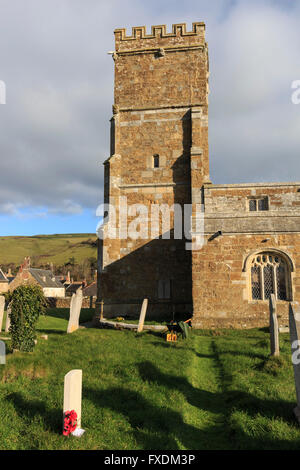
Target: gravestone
(7,324)
(75,308)
(274,334)
(294,320)
(2,352)
(101,311)
(73,395)
(2,305)
(142,315)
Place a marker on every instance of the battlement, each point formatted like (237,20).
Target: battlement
(160,31)
(159,37)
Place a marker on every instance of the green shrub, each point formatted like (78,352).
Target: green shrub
(26,303)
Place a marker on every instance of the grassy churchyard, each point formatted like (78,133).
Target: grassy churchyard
(216,390)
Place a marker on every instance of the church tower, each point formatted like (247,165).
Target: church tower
(158,156)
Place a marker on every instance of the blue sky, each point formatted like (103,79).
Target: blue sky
(59,78)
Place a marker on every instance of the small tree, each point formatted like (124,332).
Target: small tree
(26,304)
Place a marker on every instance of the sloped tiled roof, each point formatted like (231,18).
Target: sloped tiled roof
(44,277)
(3,278)
(73,287)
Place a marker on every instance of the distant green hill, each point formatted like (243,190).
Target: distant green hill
(45,249)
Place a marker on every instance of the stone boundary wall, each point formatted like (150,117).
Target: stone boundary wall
(66,301)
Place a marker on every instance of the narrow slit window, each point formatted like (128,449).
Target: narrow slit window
(263,204)
(252,205)
(164,289)
(155,161)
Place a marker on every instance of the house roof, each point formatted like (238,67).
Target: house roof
(3,278)
(73,287)
(45,277)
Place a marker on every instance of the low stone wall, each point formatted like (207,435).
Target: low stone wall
(65,302)
(157,311)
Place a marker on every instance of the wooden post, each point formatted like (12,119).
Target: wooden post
(101,311)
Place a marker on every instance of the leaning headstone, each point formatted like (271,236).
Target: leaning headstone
(142,315)
(72,397)
(2,352)
(75,308)
(7,324)
(274,334)
(294,320)
(2,304)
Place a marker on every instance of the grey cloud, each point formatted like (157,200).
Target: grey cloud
(55,125)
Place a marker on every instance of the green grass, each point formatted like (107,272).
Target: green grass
(56,249)
(217,390)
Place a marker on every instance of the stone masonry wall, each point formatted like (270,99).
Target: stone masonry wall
(221,277)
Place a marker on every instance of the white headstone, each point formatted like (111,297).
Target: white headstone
(72,393)
(142,315)
(7,324)
(75,308)
(2,305)
(2,352)
(274,334)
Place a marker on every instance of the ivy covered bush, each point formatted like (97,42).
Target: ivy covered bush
(26,303)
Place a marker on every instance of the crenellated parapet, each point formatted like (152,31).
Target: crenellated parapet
(139,38)
(179,29)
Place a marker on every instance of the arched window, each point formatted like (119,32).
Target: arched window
(270,274)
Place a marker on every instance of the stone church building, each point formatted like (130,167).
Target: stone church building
(159,156)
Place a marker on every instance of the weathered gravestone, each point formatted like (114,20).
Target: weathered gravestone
(2,305)
(7,324)
(274,333)
(294,320)
(2,352)
(142,315)
(75,308)
(73,395)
